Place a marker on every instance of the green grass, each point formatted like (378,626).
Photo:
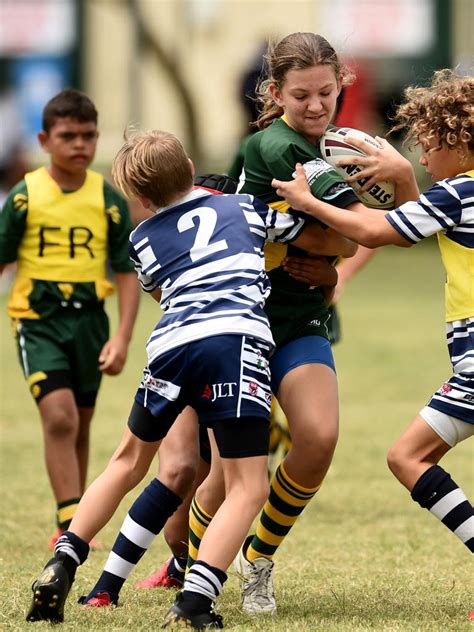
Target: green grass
(363,556)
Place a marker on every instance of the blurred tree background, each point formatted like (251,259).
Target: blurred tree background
(179,65)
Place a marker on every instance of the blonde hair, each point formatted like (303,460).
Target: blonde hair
(295,52)
(153,165)
(443,111)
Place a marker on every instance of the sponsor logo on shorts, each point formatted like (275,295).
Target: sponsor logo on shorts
(468,397)
(315,323)
(156,385)
(268,398)
(218,391)
(253,389)
(207,392)
(161,387)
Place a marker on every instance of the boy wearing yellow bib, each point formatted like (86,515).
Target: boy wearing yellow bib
(62,224)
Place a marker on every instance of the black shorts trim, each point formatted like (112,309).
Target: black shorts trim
(144,425)
(56,380)
(242,437)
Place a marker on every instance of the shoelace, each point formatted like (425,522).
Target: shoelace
(259,576)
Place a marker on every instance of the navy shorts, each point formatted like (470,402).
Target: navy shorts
(306,350)
(221,377)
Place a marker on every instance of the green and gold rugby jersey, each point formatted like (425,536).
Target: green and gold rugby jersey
(294,309)
(61,242)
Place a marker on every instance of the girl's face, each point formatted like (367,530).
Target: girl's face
(439,161)
(308,98)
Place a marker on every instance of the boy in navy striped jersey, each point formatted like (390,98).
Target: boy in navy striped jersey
(440,119)
(201,256)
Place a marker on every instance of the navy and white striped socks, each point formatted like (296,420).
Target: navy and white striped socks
(202,586)
(144,521)
(73,550)
(436,491)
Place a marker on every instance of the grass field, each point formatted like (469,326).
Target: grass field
(363,556)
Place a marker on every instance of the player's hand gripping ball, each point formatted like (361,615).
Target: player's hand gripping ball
(333,146)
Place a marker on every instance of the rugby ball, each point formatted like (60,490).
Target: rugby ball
(333,145)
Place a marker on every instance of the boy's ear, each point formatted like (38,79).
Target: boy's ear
(193,169)
(43,139)
(147,203)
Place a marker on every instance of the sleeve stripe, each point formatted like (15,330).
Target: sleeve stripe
(396,221)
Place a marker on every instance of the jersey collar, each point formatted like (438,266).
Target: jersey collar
(284,118)
(192,195)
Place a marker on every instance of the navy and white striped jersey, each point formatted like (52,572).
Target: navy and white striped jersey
(447,208)
(205,253)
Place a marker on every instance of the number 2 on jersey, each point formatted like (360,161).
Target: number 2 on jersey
(207,219)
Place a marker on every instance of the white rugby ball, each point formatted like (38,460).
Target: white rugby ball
(333,145)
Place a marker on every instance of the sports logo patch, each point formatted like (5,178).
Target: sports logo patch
(262,362)
(314,169)
(445,389)
(253,389)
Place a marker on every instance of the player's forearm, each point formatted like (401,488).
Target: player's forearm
(128,300)
(317,240)
(363,225)
(337,244)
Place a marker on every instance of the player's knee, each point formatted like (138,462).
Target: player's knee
(327,441)
(397,460)
(258,495)
(211,492)
(179,477)
(317,446)
(61,425)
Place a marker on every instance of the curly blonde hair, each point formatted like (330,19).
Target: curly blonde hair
(294,52)
(443,111)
